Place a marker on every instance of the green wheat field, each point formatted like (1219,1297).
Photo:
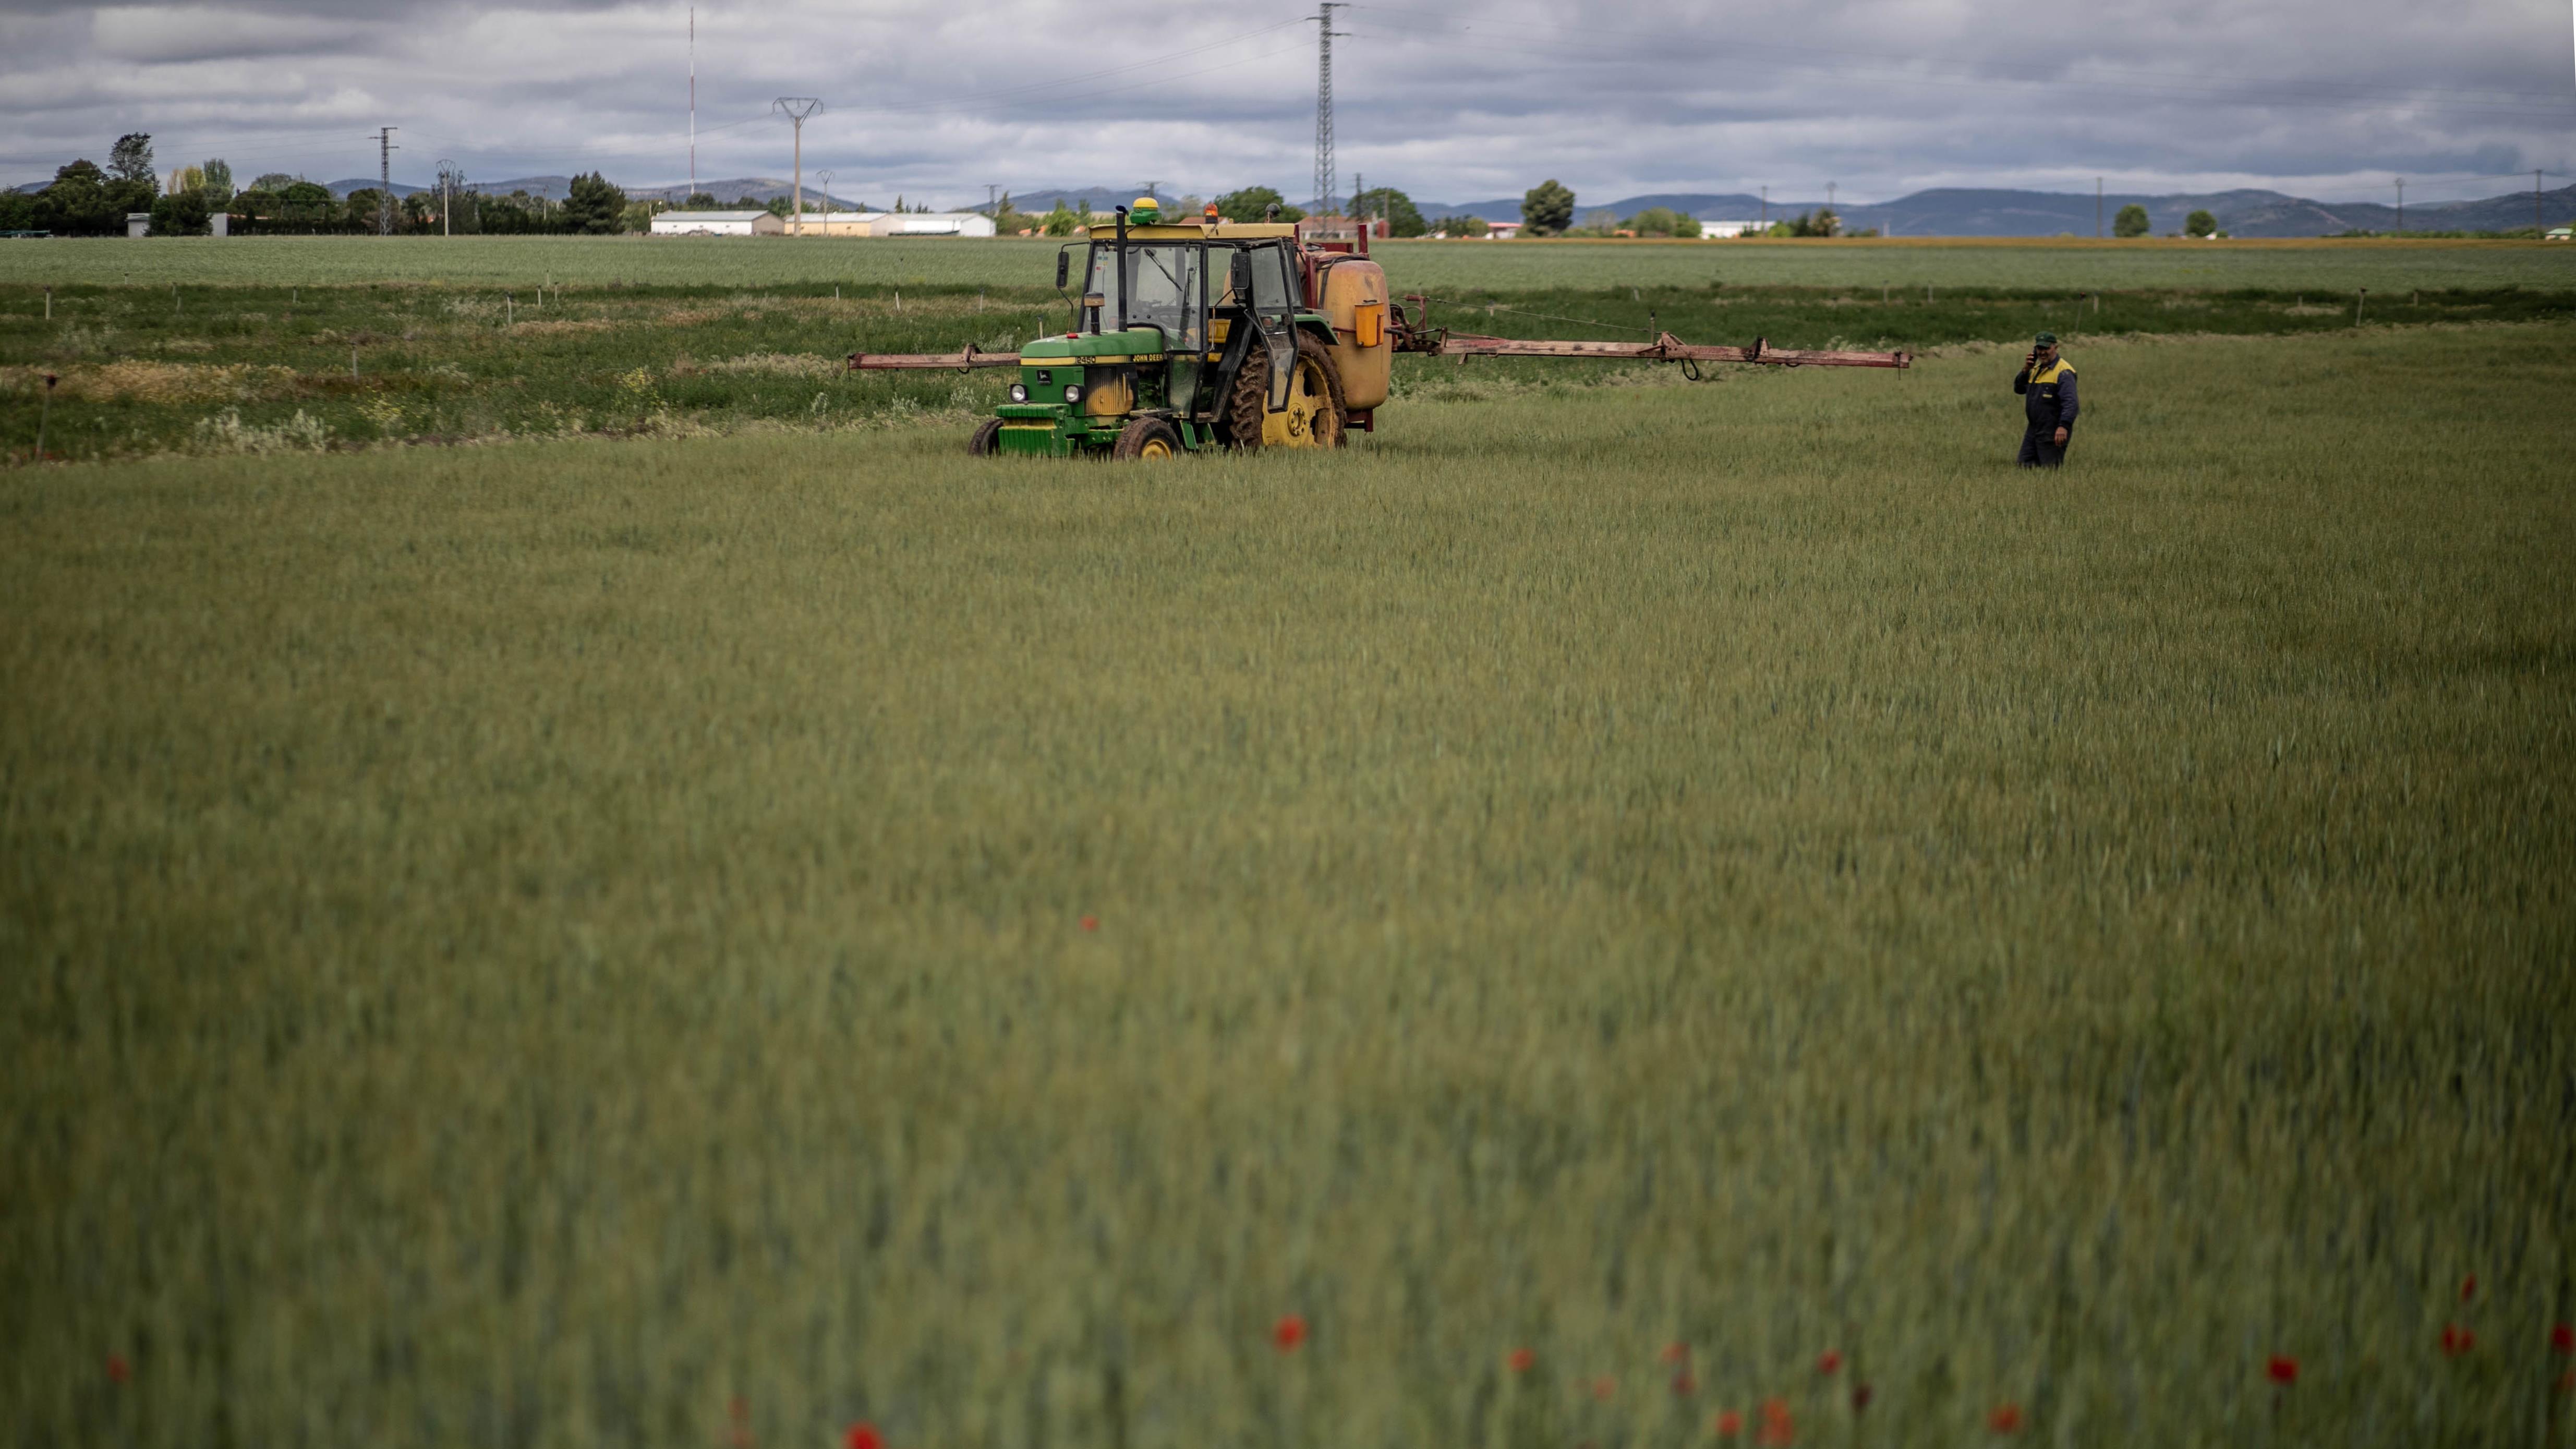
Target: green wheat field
(1635,915)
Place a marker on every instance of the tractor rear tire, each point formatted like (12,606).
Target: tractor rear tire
(1315,403)
(987,439)
(1147,438)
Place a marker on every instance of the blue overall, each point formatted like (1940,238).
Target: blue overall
(2048,403)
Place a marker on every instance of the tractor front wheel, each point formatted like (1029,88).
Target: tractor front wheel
(987,439)
(1147,438)
(1315,407)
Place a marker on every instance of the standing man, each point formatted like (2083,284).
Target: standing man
(2047,388)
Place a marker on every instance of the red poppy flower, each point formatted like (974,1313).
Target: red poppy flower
(863,1436)
(1091,923)
(2457,1340)
(1729,1424)
(1523,1360)
(1861,1397)
(2005,1419)
(1684,1385)
(1829,1362)
(2562,1337)
(1603,1387)
(2468,1287)
(117,1369)
(1778,1429)
(1675,1352)
(2282,1368)
(1288,1332)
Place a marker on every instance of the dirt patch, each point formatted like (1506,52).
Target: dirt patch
(779,364)
(136,380)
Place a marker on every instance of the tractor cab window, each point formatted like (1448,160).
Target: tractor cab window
(1161,284)
(1271,290)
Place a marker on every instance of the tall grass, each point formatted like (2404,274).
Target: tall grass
(524,262)
(144,370)
(538,947)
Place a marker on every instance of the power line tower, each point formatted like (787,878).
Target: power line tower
(385,149)
(446,194)
(826,173)
(1325,32)
(796,109)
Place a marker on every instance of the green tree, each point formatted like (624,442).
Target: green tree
(18,212)
(1253,203)
(2199,223)
(1462,226)
(130,159)
(181,213)
(700,201)
(592,207)
(363,208)
(84,201)
(1821,222)
(219,182)
(273,182)
(2132,221)
(1403,218)
(1547,209)
(1060,222)
(1663,221)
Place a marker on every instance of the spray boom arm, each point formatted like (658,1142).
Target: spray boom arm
(1408,332)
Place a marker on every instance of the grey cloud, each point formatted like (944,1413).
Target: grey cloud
(1451,101)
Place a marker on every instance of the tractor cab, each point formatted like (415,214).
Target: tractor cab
(1187,334)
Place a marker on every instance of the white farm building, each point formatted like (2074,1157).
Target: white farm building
(718,223)
(931,223)
(823,223)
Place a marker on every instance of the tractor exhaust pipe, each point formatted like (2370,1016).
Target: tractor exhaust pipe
(1118,268)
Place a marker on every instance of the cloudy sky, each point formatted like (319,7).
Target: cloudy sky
(1453,100)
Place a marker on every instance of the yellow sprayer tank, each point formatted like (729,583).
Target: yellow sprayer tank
(1355,303)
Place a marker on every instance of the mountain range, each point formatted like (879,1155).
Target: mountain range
(1948,211)
(1960,211)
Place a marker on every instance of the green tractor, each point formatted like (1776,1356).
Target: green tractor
(1202,333)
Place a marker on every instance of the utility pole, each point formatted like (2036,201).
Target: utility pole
(2401,206)
(1324,177)
(992,206)
(2535,204)
(826,174)
(1766,208)
(385,181)
(796,109)
(2097,208)
(693,100)
(446,194)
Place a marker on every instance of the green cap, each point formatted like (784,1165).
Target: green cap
(2046,339)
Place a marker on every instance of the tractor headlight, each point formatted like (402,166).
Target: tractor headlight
(1073,392)
(1019,392)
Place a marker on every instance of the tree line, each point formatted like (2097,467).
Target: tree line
(86,199)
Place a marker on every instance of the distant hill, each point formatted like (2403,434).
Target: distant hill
(1969,212)
(362,183)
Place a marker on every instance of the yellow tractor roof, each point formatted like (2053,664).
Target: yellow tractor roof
(1195,231)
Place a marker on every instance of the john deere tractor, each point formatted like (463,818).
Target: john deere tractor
(1197,333)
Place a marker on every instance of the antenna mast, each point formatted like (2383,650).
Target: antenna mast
(1324,178)
(693,100)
